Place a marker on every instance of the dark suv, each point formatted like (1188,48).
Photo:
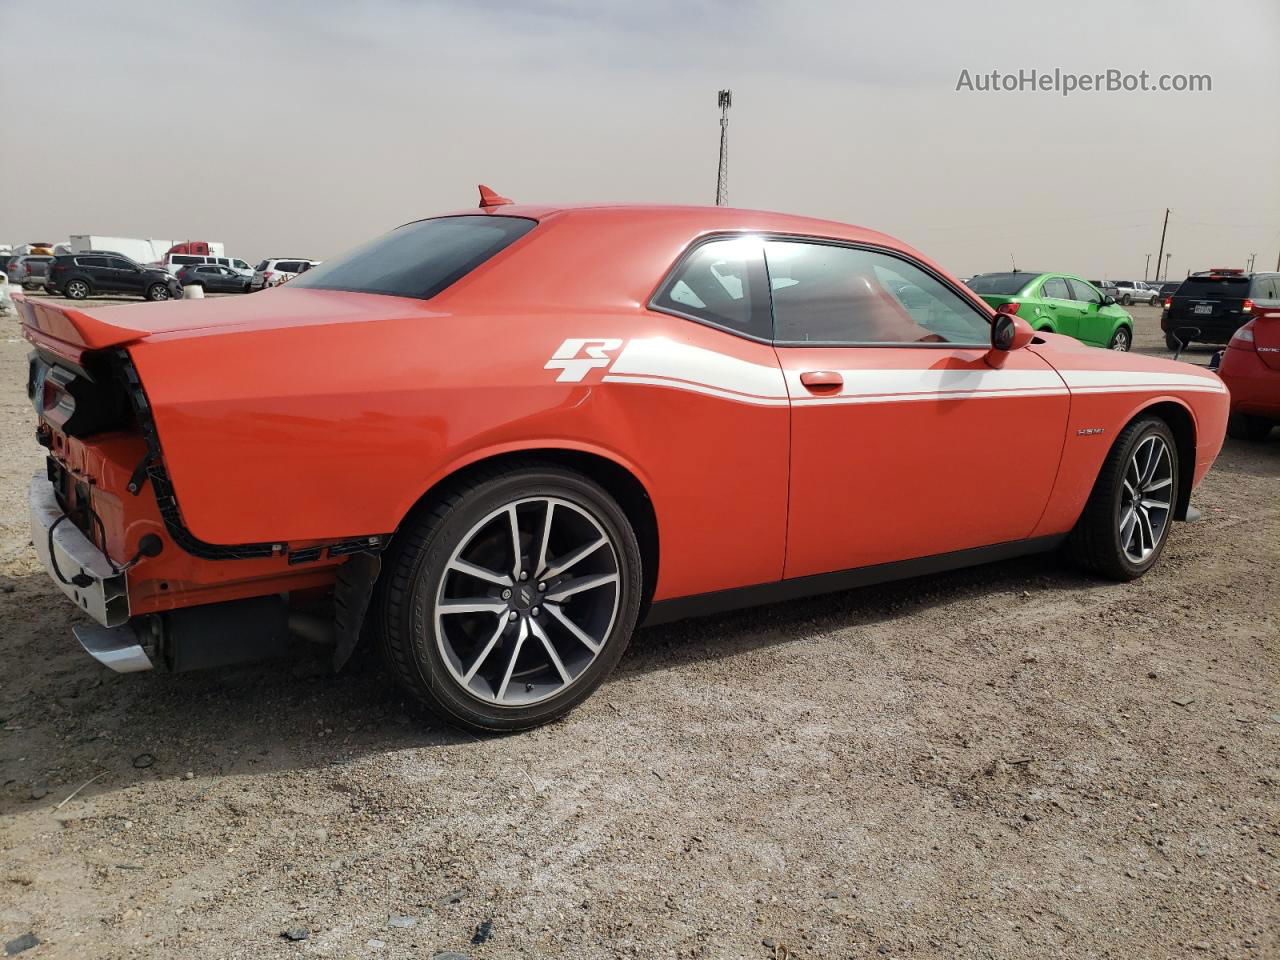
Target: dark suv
(1210,306)
(80,275)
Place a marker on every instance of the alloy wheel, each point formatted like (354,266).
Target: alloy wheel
(1120,341)
(77,290)
(527,601)
(1146,498)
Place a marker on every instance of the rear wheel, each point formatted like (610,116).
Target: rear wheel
(1126,520)
(157,291)
(1174,344)
(1245,426)
(1126,300)
(1121,340)
(78,289)
(510,600)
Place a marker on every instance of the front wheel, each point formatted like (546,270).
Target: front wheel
(1245,426)
(1121,340)
(508,602)
(1153,301)
(1126,520)
(157,291)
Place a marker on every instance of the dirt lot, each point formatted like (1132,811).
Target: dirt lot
(1011,761)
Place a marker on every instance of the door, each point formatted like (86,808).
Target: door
(1061,311)
(1093,327)
(905,442)
(127,275)
(99,272)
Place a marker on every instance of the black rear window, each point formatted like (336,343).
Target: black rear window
(1214,288)
(419,259)
(1001,284)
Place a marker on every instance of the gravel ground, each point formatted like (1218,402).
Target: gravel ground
(1010,761)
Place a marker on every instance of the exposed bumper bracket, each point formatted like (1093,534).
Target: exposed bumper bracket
(119,648)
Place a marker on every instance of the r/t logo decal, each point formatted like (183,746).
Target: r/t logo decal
(576,356)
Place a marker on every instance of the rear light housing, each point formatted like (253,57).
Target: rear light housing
(1168,302)
(1247,307)
(1243,338)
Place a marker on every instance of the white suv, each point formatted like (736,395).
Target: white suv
(176,261)
(272,273)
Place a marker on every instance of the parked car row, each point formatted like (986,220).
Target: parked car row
(80,275)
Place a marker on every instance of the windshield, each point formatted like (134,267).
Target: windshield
(419,259)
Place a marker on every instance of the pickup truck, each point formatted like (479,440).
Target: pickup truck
(1136,291)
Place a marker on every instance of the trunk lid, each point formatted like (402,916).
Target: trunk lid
(70,331)
(1266,336)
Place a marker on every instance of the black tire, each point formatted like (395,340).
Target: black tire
(1174,344)
(78,289)
(1126,300)
(1153,301)
(1095,542)
(1245,426)
(415,564)
(1121,340)
(158,291)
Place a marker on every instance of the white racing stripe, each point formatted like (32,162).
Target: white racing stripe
(863,385)
(1115,381)
(661,362)
(700,388)
(696,366)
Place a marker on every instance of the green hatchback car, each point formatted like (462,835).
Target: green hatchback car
(1059,303)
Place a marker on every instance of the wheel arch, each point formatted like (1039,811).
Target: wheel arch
(618,479)
(1182,423)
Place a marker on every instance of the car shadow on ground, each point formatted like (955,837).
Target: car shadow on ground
(70,720)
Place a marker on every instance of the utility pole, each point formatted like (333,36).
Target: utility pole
(1252,257)
(1166,265)
(1147,269)
(725,101)
(1161,253)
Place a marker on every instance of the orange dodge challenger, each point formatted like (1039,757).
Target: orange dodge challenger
(496,441)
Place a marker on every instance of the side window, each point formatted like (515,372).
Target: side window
(1055,288)
(830,294)
(119,264)
(91,261)
(1084,293)
(722,283)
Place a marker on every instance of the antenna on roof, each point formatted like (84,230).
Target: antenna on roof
(490,199)
(1014,262)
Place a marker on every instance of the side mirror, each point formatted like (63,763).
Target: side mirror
(1008,332)
(1108,300)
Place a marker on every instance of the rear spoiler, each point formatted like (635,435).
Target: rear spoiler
(69,327)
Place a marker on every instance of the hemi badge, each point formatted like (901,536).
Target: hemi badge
(1089,431)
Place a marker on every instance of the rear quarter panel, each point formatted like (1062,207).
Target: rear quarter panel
(336,429)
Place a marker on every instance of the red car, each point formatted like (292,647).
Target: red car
(500,439)
(1251,369)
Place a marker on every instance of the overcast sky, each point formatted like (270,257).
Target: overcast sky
(300,129)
